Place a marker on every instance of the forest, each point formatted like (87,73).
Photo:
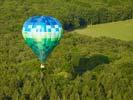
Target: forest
(80,67)
(72,13)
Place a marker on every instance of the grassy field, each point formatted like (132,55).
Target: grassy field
(120,30)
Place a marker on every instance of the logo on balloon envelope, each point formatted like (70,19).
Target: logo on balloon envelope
(42,34)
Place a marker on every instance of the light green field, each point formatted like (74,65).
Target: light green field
(120,30)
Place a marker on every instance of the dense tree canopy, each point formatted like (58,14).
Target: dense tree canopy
(81,68)
(72,13)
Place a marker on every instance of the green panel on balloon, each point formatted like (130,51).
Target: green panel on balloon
(42,50)
(42,34)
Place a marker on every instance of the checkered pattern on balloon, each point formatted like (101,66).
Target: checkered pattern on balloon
(42,34)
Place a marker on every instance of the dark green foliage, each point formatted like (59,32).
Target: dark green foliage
(72,13)
(107,75)
(107,63)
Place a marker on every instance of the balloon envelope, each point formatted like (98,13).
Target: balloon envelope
(42,34)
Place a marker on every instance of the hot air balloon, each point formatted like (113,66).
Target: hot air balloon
(42,34)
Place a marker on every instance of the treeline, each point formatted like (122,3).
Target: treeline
(82,14)
(72,13)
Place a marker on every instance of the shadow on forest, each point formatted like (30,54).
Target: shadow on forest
(89,63)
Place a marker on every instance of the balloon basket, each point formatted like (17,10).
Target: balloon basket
(42,66)
(42,73)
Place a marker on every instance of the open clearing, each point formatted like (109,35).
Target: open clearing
(120,30)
